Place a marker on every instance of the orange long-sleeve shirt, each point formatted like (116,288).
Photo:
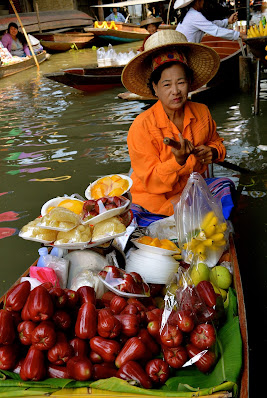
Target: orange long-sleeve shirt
(157,177)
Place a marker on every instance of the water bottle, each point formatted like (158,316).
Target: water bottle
(43,251)
(58,252)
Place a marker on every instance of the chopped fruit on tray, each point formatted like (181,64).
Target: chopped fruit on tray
(130,282)
(161,243)
(74,205)
(109,186)
(92,207)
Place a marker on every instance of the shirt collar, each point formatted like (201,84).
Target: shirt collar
(163,120)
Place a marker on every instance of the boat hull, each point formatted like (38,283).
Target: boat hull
(244,383)
(65,41)
(48,20)
(9,70)
(90,79)
(125,33)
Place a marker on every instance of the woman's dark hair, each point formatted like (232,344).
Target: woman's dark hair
(183,11)
(156,74)
(20,36)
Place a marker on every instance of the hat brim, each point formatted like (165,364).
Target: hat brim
(202,60)
(155,21)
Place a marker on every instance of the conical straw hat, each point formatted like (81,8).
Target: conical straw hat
(202,60)
(182,3)
(148,21)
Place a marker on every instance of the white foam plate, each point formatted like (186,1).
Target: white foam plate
(88,189)
(54,202)
(154,249)
(107,214)
(87,245)
(23,236)
(118,292)
(55,228)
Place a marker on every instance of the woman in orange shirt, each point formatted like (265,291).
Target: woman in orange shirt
(168,69)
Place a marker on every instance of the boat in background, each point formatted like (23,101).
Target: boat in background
(48,20)
(11,69)
(59,42)
(89,79)
(118,33)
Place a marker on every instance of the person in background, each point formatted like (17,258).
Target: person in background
(115,16)
(151,24)
(15,41)
(194,25)
(167,70)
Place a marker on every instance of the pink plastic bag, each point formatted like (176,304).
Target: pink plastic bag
(44,275)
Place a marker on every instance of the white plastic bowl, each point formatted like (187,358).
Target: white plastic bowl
(88,189)
(154,249)
(154,268)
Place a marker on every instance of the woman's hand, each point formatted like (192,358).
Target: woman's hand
(186,149)
(233,18)
(205,154)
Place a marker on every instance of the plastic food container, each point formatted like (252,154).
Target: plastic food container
(88,189)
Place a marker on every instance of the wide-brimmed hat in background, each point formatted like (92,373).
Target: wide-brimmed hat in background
(154,20)
(182,3)
(202,60)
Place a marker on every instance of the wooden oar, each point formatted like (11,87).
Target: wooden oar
(175,144)
(25,34)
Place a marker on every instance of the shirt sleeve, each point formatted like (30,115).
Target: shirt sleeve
(213,29)
(6,42)
(223,23)
(214,140)
(121,18)
(26,50)
(108,18)
(156,176)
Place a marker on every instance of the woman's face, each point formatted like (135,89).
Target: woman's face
(13,31)
(151,28)
(172,88)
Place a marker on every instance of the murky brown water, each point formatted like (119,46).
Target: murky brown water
(56,140)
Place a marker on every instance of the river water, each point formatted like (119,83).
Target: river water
(55,140)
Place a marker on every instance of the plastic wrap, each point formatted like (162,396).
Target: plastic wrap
(110,227)
(88,278)
(201,228)
(60,266)
(123,283)
(188,326)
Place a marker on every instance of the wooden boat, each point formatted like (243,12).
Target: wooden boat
(257,45)
(58,42)
(48,20)
(226,77)
(7,70)
(244,381)
(89,79)
(119,33)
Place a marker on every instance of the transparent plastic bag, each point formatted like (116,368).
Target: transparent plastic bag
(188,324)
(122,283)
(201,228)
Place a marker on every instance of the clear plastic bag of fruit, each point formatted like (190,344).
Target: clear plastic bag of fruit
(188,325)
(201,228)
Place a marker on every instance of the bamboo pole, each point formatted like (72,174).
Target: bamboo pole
(25,34)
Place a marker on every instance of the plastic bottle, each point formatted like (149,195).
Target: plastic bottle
(43,251)
(58,252)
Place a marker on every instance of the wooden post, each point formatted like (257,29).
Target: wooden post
(168,14)
(245,74)
(100,11)
(38,16)
(257,88)
(25,34)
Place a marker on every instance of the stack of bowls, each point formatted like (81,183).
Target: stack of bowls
(154,264)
